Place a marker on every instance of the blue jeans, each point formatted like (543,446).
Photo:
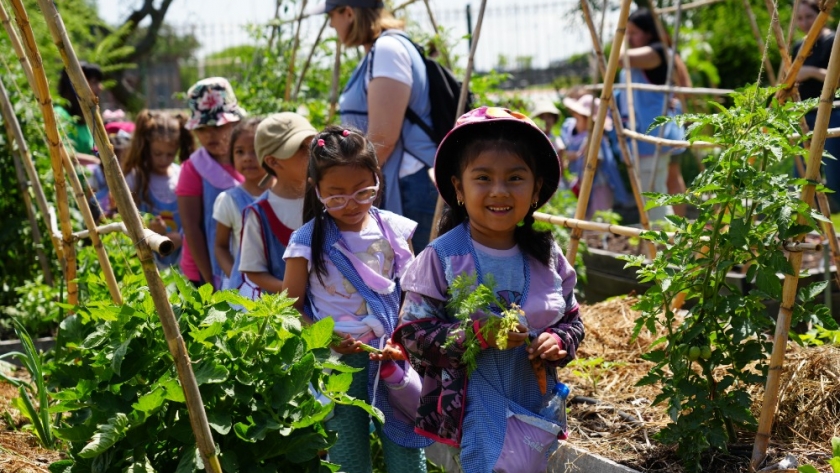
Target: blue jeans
(419,197)
(830,167)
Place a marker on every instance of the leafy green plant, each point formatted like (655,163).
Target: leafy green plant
(467,298)
(706,360)
(38,415)
(35,308)
(592,370)
(834,461)
(123,407)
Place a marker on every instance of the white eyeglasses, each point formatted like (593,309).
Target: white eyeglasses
(361,196)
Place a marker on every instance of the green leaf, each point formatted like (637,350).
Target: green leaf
(142,466)
(189,461)
(339,383)
(205,292)
(97,338)
(119,356)
(219,420)
(210,371)
(807,469)
(809,292)
(319,334)
(173,391)
(767,281)
(151,401)
(76,433)
(61,466)
(106,436)
(835,447)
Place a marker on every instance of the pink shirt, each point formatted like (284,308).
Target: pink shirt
(191,185)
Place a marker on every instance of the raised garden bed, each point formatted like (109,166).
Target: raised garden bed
(607,277)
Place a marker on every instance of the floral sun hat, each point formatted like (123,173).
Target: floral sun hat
(212,102)
(496,123)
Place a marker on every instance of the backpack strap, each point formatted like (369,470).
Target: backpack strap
(410,114)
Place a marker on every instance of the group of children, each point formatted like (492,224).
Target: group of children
(316,232)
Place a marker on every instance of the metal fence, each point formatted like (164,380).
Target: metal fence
(514,37)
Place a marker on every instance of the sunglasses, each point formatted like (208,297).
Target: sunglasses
(361,196)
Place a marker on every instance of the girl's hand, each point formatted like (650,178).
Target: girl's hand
(157,225)
(390,351)
(546,348)
(515,337)
(348,344)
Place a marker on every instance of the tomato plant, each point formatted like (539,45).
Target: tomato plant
(706,360)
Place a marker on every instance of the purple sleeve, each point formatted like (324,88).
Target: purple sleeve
(569,329)
(424,332)
(425,276)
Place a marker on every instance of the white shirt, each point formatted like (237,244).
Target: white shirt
(226,212)
(290,214)
(391,60)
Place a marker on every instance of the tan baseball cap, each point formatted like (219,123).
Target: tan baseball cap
(281,134)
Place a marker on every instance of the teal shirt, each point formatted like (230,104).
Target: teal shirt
(77,131)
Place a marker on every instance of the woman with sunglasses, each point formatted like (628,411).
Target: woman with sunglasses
(344,263)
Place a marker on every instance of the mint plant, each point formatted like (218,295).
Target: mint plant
(123,408)
(706,361)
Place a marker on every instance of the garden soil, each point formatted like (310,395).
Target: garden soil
(623,424)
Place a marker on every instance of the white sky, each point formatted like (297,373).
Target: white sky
(538,28)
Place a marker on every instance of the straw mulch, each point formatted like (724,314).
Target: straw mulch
(623,425)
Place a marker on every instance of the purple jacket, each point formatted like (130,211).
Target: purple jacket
(426,325)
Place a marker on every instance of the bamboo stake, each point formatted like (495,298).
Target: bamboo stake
(134,225)
(160,244)
(23,182)
(290,73)
(831,133)
(687,6)
(81,198)
(632,173)
(444,54)
(309,59)
(633,232)
(768,66)
(598,132)
(667,89)
(669,75)
(789,75)
(16,135)
(777,358)
(335,78)
(462,103)
(87,215)
(54,144)
(792,24)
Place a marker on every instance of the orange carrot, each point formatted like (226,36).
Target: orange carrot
(538,366)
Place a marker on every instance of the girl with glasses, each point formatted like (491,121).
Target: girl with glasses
(345,263)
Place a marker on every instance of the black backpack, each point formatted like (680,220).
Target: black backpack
(444,91)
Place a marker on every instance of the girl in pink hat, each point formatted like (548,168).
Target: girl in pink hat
(494,169)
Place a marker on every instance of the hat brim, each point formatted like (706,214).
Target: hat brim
(575,106)
(290,146)
(545,155)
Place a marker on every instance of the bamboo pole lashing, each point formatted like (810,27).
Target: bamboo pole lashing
(54,144)
(777,358)
(667,89)
(134,225)
(462,103)
(308,61)
(768,66)
(160,244)
(598,132)
(632,173)
(290,72)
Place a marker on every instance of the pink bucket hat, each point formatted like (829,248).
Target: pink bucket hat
(584,106)
(212,102)
(496,123)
